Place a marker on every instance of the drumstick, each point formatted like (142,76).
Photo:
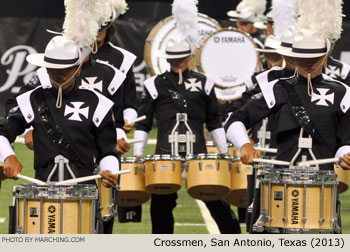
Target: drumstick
(271,161)
(318,162)
(271,150)
(33,180)
(88,178)
(138,119)
(132,141)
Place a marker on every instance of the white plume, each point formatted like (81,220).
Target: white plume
(327,19)
(80,23)
(120,6)
(284,14)
(305,14)
(186,15)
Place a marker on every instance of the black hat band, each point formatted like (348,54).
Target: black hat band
(177,53)
(60,61)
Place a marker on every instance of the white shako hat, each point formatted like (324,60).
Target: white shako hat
(248,10)
(270,45)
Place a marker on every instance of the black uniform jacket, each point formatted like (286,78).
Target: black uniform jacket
(84,120)
(328,109)
(201,106)
(337,70)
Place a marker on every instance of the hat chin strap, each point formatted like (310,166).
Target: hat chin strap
(60,94)
(180,77)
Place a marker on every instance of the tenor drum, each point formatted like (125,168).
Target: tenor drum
(344,177)
(229,57)
(162,173)
(64,209)
(166,29)
(208,176)
(298,200)
(107,201)
(132,185)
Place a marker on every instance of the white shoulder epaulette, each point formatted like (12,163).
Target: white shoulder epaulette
(118,77)
(103,106)
(345,69)
(44,77)
(129,58)
(151,87)
(267,87)
(25,105)
(345,102)
(209,84)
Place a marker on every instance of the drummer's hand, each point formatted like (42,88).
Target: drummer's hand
(28,140)
(344,161)
(248,153)
(122,146)
(12,167)
(109,179)
(137,156)
(127,126)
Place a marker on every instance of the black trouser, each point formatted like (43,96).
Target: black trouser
(163,220)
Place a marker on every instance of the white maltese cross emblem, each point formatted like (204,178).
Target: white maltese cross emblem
(91,84)
(323,98)
(332,71)
(192,85)
(76,111)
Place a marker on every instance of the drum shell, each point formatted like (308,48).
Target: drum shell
(132,186)
(40,211)
(107,206)
(162,174)
(208,179)
(289,198)
(344,177)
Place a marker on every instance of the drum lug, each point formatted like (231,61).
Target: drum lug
(135,169)
(258,226)
(200,165)
(304,220)
(321,220)
(154,165)
(174,165)
(230,166)
(217,165)
(186,165)
(285,219)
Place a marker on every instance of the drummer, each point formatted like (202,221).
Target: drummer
(68,121)
(181,90)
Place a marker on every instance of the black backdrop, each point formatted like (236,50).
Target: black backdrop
(23,24)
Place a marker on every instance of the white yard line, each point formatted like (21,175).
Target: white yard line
(209,222)
(2,220)
(191,224)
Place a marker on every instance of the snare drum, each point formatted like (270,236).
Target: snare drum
(166,29)
(64,209)
(344,177)
(298,200)
(163,173)
(208,176)
(220,57)
(132,185)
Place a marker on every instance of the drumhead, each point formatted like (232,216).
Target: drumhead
(164,30)
(162,157)
(228,57)
(71,192)
(298,175)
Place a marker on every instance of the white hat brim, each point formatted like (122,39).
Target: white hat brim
(37,59)
(284,51)
(310,55)
(162,54)
(266,50)
(260,25)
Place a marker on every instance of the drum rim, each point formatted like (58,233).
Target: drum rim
(202,156)
(132,160)
(165,157)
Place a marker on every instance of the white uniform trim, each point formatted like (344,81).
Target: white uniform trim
(208,86)
(26,131)
(344,70)
(117,80)
(257,41)
(341,152)
(109,163)
(25,106)
(219,138)
(129,58)
(249,83)
(345,102)
(44,77)
(129,114)
(139,148)
(103,107)
(121,134)
(5,149)
(267,87)
(151,87)
(237,134)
